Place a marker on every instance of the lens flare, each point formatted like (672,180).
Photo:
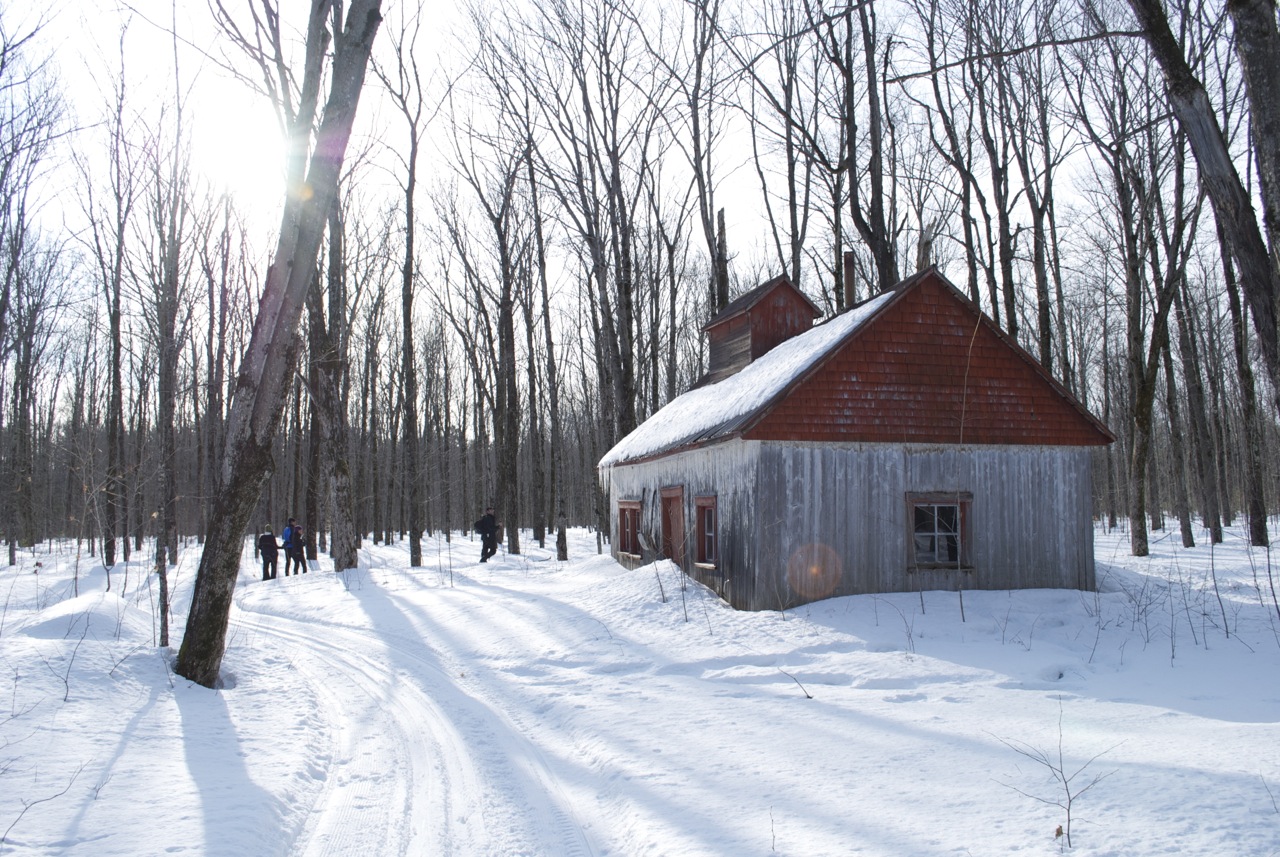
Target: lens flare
(814,571)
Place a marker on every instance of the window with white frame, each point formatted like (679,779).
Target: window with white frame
(939,537)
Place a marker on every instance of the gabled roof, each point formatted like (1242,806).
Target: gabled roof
(719,410)
(744,302)
(919,364)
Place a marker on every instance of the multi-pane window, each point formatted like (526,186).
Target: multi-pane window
(707,551)
(939,537)
(628,526)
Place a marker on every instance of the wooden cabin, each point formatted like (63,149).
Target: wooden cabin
(905,444)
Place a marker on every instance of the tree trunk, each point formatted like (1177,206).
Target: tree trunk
(1232,206)
(1257,42)
(1181,504)
(263,376)
(1254,478)
(331,361)
(409,372)
(1201,439)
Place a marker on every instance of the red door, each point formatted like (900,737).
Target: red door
(673,524)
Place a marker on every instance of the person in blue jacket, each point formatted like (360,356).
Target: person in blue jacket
(287,538)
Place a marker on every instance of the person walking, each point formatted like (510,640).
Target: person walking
(270,551)
(286,539)
(299,543)
(487,528)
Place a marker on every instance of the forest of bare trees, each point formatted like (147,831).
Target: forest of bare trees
(537,211)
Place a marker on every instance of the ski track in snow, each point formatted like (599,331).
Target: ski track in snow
(433,762)
(535,708)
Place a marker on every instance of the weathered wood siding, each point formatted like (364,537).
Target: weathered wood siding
(779,316)
(802,522)
(753,324)
(729,348)
(1030,518)
(726,471)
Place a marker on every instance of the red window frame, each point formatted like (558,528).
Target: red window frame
(629,526)
(706,527)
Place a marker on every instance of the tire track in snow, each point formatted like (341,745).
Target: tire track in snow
(422,766)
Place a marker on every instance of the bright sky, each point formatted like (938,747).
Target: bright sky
(235,139)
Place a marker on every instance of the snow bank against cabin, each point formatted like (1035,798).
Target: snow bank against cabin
(698,411)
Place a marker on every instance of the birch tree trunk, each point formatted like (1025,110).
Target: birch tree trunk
(265,369)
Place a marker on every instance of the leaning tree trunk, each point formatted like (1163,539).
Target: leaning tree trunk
(266,367)
(1232,205)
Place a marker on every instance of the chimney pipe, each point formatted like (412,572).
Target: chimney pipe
(849,268)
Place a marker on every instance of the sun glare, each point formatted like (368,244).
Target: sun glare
(238,150)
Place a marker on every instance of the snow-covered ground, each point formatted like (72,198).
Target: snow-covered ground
(530,707)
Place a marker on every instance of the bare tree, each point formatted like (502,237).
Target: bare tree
(30,264)
(166,265)
(331,468)
(37,300)
(1255,498)
(955,109)
(1258,45)
(788,78)
(1146,192)
(601,102)
(109,225)
(491,169)
(1197,407)
(265,368)
(215,247)
(404,83)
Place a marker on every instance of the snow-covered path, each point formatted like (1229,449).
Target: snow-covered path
(536,708)
(428,759)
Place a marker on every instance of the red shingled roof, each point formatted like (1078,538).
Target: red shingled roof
(924,366)
(929,368)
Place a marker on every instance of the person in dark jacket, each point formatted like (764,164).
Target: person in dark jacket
(299,542)
(487,528)
(270,550)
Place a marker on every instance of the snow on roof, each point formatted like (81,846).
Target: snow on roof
(719,409)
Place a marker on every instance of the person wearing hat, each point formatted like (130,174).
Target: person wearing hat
(270,551)
(297,542)
(487,528)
